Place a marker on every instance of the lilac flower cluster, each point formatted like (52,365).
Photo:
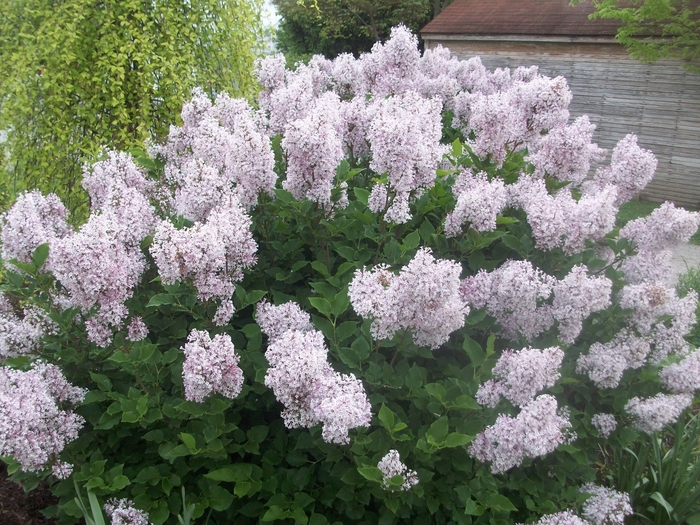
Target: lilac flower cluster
(34,429)
(479,202)
(682,377)
(136,330)
(303,380)
(213,253)
(604,423)
(21,335)
(520,375)
(654,413)
(423,299)
(606,362)
(664,228)
(566,517)
(537,430)
(123,512)
(33,220)
(211,366)
(606,506)
(391,466)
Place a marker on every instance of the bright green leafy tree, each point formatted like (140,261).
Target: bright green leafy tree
(80,75)
(653,29)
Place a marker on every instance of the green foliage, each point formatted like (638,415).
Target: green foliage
(80,75)
(653,29)
(331,27)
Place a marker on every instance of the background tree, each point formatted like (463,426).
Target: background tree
(653,29)
(330,27)
(79,75)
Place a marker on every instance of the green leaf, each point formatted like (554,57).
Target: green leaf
(455,439)
(361,194)
(41,253)
(387,417)
(658,497)
(274,513)
(258,433)
(361,348)
(232,473)
(371,473)
(321,304)
(320,268)
(500,502)
(103,382)
(345,330)
(189,440)
(437,432)
(474,351)
(160,299)
(436,390)
(412,240)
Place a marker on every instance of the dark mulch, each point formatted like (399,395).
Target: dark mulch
(20,508)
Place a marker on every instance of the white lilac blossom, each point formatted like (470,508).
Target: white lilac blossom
(423,299)
(537,430)
(391,466)
(479,202)
(405,135)
(310,390)
(21,334)
(666,227)
(575,298)
(606,506)
(137,329)
(213,254)
(631,169)
(34,428)
(566,517)
(512,294)
(606,362)
(654,413)
(33,220)
(566,152)
(314,149)
(211,366)
(684,376)
(123,512)
(274,321)
(604,423)
(520,375)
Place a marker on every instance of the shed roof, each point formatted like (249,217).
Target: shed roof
(519,17)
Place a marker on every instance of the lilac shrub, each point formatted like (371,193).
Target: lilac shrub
(386,261)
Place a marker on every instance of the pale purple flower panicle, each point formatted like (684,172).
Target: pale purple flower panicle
(606,362)
(520,375)
(391,466)
(423,299)
(666,227)
(654,413)
(479,202)
(682,377)
(346,76)
(211,366)
(314,149)
(270,72)
(274,321)
(631,169)
(33,220)
(20,335)
(560,518)
(536,431)
(391,67)
(512,294)
(604,423)
(213,254)
(122,512)
(439,74)
(575,298)
(405,138)
(137,330)
(33,428)
(647,266)
(606,506)
(566,152)
(118,169)
(310,390)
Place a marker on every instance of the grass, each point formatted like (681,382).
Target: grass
(635,209)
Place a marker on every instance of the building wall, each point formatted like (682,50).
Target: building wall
(660,102)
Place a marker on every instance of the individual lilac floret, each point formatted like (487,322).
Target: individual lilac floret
(666,227)
(20,335)
(682,377)
(423,299)
(34,429)
(211,366)
(391,466)
(310,390)
(654,413)
(513,295)
(33,220)
(575,298)
(122,512)
(606,362)
(479,202)
(274,321)
(405,138)
(566,153)
(520,375)
(606,506)
(213,254)
(137,329)
(560,518)
(631,169)
(605,424)
(536,431)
